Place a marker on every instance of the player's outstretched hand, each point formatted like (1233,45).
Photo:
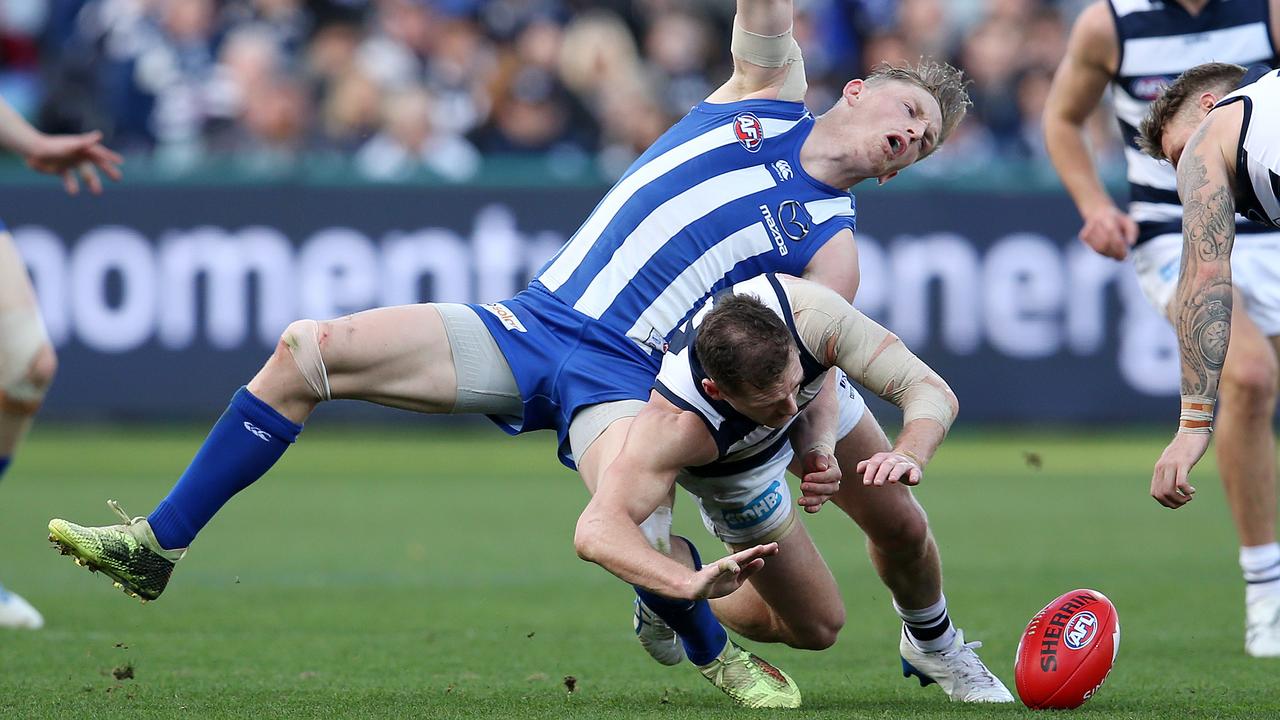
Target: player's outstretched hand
(1169,485)
(821,478)
(74,156)
(1110,232)
(890,467)
(727,574)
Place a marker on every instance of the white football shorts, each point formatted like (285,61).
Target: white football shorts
(1255,272)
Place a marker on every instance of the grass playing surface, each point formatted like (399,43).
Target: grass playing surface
(429,574)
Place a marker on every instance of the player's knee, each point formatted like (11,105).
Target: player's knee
(907,534)
(302,343)
(43,367)
(27,365)
(1252,383)
(821,631)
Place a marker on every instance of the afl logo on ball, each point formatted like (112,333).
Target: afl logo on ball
(1080,630)
(749,130)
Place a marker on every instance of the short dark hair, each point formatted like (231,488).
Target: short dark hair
(1222,77)
(743,344)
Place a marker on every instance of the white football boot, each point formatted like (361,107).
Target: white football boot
(1262,627)
(18,613)
(656,636)
(957,670)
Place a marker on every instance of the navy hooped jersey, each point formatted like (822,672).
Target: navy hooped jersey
(1160,40)
(719,198)
(742,443)
(1258,158)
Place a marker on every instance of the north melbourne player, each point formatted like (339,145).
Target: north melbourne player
(1225,143)
(735,379)
(748,182)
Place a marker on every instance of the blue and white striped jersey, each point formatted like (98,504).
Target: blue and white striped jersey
(742,442)
(719,198)
(1258,159)
(1160,40)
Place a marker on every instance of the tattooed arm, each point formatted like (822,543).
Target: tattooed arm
(1201,310)
(1202,307)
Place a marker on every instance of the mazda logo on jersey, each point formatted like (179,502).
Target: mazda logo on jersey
(794,218)
(749,131)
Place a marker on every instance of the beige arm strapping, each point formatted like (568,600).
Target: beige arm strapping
(772,51)
(837,334)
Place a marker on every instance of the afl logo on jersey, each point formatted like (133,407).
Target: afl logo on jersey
(1149,88)
(749,130)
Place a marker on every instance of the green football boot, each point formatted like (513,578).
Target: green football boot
(751,681)
(127,553)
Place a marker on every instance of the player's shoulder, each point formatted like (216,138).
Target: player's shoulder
(1094,35)
(717,105)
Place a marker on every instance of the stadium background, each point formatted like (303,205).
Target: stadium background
(290,158)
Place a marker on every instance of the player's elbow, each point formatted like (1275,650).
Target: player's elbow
(1059,128)
(949,396)
(587,536)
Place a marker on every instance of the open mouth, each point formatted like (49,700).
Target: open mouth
(896,145)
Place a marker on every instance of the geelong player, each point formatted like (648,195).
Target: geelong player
(748,182)
(734,379)
(1138,47)
(1225,144)
(27,361)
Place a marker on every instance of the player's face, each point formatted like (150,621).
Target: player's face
(1175,140)
(1180,128)
(1176,136)
(774,406)
(897,124)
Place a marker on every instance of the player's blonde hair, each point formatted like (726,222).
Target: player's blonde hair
(1220,77)
(945,83)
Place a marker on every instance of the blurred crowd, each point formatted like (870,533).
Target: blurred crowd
(410,87)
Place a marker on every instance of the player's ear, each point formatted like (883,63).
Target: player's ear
(853,90)
(886,178)
(709,387)
(1207,100)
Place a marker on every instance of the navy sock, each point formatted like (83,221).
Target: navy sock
(242,446)
(702,635)
(4,465)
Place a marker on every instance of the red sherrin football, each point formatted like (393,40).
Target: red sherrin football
(1067,651)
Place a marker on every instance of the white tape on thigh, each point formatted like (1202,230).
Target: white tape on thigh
(657,530)
(303,340)
(22,335)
